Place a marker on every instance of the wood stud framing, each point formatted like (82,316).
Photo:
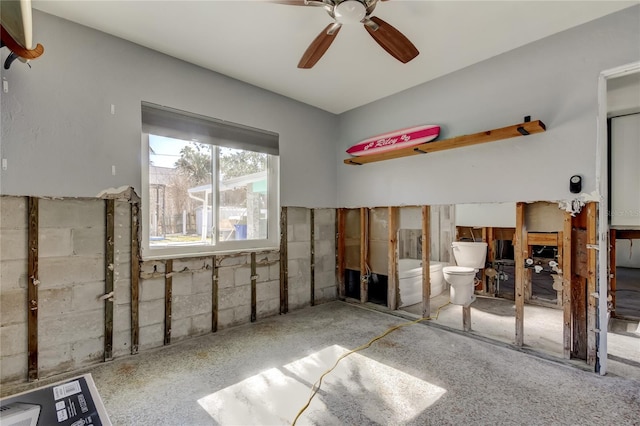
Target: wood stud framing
(109,267)
(560,255)
(32,287)
(392,280)
(483,272)
(364,254)
(168,295)
(312,251)
(466,318)
(489,284)
(567,273)
(214,295)
(521,251)
(253,287)
(340,249)
(612,269)
(135,275)
(591,282)
(284,263)
(426,276)
(578,299)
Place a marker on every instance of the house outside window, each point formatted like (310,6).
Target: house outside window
(209,186)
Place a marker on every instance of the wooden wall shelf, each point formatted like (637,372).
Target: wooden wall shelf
(522,129)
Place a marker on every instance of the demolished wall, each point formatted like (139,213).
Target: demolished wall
(198,295)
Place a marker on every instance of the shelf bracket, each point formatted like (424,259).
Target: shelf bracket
(417,149)
(355,163)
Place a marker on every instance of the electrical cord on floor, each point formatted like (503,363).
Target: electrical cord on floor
(316,386)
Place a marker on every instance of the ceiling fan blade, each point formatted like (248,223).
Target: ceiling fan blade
(392,40)
(319,46)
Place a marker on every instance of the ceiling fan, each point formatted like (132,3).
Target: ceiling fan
(353,12)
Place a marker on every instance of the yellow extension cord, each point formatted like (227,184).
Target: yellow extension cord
(318,383)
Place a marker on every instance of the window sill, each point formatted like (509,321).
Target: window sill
(228,252)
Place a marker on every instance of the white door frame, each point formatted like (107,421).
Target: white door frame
(602,182)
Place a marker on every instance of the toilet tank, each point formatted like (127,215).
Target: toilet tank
(471,255)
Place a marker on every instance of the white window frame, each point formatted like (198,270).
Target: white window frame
(219,247)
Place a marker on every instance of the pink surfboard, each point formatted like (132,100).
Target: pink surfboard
(395,140)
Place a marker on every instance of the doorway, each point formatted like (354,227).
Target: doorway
(619,218)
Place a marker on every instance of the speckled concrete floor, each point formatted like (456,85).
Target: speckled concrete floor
(261,373)
(495,319)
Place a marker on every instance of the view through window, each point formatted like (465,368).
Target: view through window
(183,205)
(206,197)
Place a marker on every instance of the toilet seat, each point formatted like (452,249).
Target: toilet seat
(458,270)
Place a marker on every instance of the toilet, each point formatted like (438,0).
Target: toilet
(470,257)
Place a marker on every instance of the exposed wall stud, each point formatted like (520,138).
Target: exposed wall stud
(364,254)
(340,251)
(579,276)
(109,267)
(426,273)
(312,252)
(466,318)
(483,274)
(528,273)
(214,295)
(32,288)
(392,281)
(592,214)
(558,279)
(490,283)
(520,254)
(567,273)
(284,263)
(612,269)
(168,295)
(135,274)
(253,287)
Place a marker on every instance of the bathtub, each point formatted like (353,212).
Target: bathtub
(410,280)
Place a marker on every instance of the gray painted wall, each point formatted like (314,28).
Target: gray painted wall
(60,138)
(554,80)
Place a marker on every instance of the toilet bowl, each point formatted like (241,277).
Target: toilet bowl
(470,257)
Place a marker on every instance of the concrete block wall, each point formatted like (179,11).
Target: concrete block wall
(192,294)
(71,315)
(234,290)
(71,243)
(298,256)
(268,284)
(13,288)
(325,255)
(299,252)
(71,250)
(122,279)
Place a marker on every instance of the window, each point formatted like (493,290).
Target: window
(209,186)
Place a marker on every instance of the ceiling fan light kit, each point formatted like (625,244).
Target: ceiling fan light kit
(350,12)
(353,12)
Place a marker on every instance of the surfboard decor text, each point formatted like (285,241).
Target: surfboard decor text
(386,142)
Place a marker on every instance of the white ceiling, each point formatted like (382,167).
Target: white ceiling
(260,42)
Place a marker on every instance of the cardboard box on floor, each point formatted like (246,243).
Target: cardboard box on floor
(72,402)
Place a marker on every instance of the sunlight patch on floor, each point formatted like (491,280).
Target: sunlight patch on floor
(382,393)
